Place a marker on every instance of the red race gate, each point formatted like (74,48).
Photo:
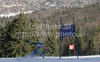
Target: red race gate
(71,47)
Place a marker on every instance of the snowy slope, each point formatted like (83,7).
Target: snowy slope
(95,58)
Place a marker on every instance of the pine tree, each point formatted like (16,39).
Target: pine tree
(0,29)
(0,26)
(97,39)
(80,42)
(0,40)
(65,49)
(51,45)
(91,47)
(14,36)
(34,30)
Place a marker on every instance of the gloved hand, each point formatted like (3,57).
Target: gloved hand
(27,41)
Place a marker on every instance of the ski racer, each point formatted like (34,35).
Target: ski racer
(39,49)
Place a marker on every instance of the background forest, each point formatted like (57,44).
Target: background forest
(87,22)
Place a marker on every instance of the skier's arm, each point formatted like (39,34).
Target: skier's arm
(32,42)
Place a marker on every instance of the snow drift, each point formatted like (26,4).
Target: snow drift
(95,58)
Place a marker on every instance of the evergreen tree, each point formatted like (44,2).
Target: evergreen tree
(34,30)
(0,40)
(0,26)
(65,49)
(80,42)
(14,36)
(91,47)
(51,45)
(97,39)
(0,30)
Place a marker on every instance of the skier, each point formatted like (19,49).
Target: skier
(39,49)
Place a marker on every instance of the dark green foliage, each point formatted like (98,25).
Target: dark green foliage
(51,45)
(0,38)
(0,26)
(0,32)
(65,49)
(80,42)
(97,39)
(91,47)
(99,48)
(14,36)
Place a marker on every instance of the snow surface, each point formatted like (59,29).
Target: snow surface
(95,58)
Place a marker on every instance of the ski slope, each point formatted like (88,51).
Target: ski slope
(95,58)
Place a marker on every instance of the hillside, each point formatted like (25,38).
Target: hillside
(86,22)
(88,14)
(87,18)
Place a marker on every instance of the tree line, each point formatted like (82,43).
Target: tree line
(13,45)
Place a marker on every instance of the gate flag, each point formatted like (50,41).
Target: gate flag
(71,47)
(67,31)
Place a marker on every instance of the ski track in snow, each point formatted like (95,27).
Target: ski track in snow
(95,58)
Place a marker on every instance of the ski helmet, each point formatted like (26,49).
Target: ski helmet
(40,42)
